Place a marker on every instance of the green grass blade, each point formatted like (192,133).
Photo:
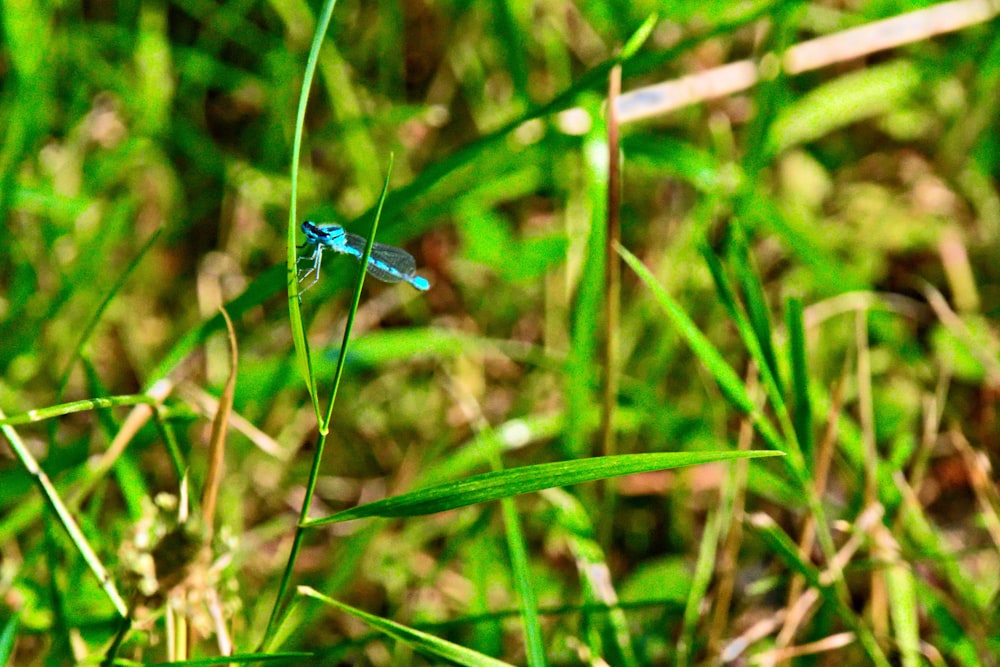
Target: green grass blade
(76,406)
(704,572)
(955,641)
(524,582)
(725,292)
(291,269)
(294,307)
(423,643)
(639,37)
(861,94)
(27,30)
(304,361)
(512,20)
(496,485)
(285,657)
(749,333)
(729,382)
(905,612)
(324,425)
(65,518)
(785,548)
(757,309)
(387,346)
(802,416)
(575,526)
(8,636)
(580,377)
(759,341)
(668,155)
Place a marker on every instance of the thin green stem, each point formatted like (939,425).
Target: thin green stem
(324,424)
(294,310)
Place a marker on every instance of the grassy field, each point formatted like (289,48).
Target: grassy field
(707,372)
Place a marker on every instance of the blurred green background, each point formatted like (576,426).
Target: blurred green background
(144,182)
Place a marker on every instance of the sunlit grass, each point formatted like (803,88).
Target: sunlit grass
(807,270)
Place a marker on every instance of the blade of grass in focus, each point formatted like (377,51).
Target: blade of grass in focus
(495,485)
(421,642)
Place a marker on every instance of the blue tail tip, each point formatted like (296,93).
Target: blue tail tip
(420,283)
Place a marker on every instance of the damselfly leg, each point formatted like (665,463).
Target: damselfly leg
(316,258)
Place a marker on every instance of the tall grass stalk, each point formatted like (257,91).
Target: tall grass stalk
(294,305)
(324,421)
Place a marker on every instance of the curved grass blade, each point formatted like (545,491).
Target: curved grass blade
(496,485)
(848,99)
(639,37)
(291,280)
(291,268)
(423,643)
(757,310)
(324,425)
(217,442)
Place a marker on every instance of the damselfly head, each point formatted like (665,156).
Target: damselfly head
(323,234)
